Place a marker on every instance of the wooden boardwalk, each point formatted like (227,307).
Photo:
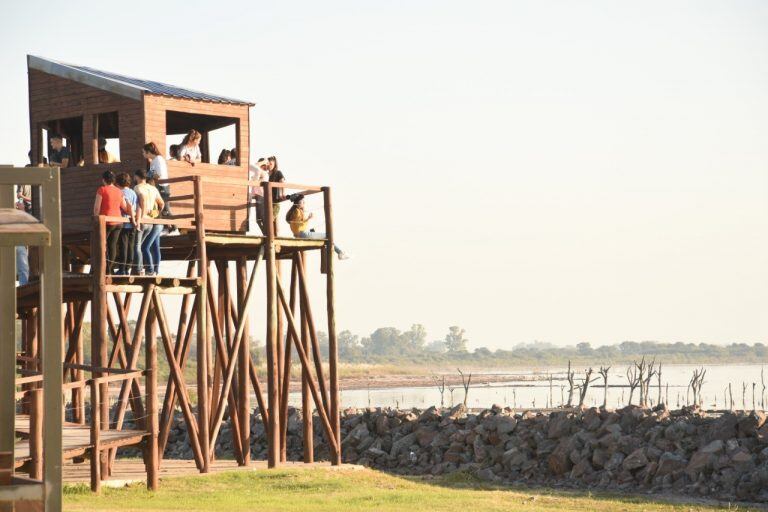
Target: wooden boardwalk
(76,439)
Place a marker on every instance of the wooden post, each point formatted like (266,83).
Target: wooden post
(99,352)
(7,338)
(243,367)
(36,434)
(306,399)
(50,330)
(273,441)
(150,369)
(202,327)
(286,384)
(95,438)
(333,351)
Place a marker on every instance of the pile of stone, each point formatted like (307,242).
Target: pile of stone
(723,456)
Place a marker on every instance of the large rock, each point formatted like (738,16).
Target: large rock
(559,461)
(635,460)
(669,463)
(403,442)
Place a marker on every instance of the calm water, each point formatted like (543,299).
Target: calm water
(522,391)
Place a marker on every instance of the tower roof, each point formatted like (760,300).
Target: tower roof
(128,86)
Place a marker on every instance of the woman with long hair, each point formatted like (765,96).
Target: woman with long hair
(275,176)
(224,157)
(148,241)
(190,148)
(158,170)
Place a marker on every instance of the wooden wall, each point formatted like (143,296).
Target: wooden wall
(224,205)
(51,98)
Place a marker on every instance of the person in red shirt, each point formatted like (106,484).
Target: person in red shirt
(111,202)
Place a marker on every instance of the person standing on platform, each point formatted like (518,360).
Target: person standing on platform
(190,148)
(259,173)
(275,176)
(127,240)
(23,203)
(148,240)
(111,203)
(158,170)
(59,155)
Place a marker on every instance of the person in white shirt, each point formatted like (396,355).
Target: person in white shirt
(158,170)
(190,148)
(259,173)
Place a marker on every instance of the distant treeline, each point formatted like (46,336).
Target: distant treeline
(390,345)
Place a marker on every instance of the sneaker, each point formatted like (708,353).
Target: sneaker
(344,256)
(174,232)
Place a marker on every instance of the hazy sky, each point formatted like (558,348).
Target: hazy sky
(530,170)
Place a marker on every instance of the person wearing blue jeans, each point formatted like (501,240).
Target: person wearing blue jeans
(150,248)
(22,264)
(148,239)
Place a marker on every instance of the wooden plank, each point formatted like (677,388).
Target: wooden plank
(20,228)
(202,327)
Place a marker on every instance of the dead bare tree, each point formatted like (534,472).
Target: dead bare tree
(743,396)
(762,395)
(633,380)
(697,381)
(730,394)
(440,384)
(658,375)
(754,385)
(650,372)
(585,386)
(604,373)
(569,375)
(466,383)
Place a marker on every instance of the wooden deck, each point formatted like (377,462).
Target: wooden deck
(76,439)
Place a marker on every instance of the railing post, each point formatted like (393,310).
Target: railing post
(333,351)
(203,412)
(36,433)
(273,400)
(95,438)
(99,349)
(150,376)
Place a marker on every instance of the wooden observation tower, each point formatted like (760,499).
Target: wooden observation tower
(230,272)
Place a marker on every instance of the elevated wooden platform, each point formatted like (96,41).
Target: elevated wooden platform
(218,246)
(76,440)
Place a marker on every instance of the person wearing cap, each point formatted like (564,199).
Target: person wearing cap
(298,219)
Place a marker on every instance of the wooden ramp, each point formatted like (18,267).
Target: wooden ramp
(76,439)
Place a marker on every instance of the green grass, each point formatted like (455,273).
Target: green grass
(349,490)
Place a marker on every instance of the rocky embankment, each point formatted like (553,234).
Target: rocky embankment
(631,449)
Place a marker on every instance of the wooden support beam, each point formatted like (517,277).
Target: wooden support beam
(306,398)
(333,350)
(273,397)
(181,352)
(232,362)
(287,373)
(96,466)
(202,320)
(243,366)
(222,358)
(312,334)
(99,317)
(293,333)
(152,457)
(178,378)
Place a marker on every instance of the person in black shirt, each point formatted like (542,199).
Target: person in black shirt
(59,154)
(275,176)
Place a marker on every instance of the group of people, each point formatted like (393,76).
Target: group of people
(133,246)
